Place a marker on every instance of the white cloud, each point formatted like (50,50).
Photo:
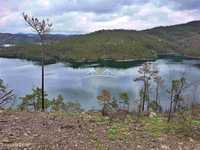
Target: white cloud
(82,16)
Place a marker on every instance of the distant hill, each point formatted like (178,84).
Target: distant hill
(185,37)
(19,39)
(181,39)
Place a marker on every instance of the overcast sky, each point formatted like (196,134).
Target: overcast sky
(83,16)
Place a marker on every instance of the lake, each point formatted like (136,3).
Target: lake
(84,84)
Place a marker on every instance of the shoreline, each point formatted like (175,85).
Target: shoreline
(104,62)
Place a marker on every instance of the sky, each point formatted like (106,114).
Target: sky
(84,16)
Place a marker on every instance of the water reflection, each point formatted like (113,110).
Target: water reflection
(84,84)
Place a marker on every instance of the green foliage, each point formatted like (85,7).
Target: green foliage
(124,99)
(100,120)
(111,105)
(57,104)
(33,101)
(157,126)
(112,133)
(154,106)
(196,122)
(184,37)
(98,45)
(118,130)
(116,44)
(184,119)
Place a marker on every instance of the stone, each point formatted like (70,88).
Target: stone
(152,115)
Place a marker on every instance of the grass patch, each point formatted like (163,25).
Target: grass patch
(158,125)
(101,119)
(196,122)
(118,130)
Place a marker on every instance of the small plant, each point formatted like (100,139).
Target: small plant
(155,106)
(57,103)
(124,100)
(196,122)
(118,130)
(112,133)
(6,96)
(105,99)
(33,101)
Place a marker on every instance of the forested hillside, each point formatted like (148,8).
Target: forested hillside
(116,44)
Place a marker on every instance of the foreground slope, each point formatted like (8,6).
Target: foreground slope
(87,131)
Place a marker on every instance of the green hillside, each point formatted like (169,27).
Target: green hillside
(117,44)
(185,37)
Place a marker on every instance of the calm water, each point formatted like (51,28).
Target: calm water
(84,84)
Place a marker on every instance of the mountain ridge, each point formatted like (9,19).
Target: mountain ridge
(117,44)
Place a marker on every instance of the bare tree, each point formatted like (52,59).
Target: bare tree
(159,82)
(42,28)
(147,72)
(5,95)
(171,92)
(176,95)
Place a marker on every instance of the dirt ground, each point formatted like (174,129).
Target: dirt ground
(23,130)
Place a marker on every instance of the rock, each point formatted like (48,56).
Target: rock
(152,115)
(165,147)
(191,140)
(25,134)
(1,111)
(67,127)
(16,118)
(90,130)
(35,135)
(7,141)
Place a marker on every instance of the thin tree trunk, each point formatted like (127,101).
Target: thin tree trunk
(175,105)
(43,60)
(144,96)
(43,107)
(157,91)
(171,104)
(147,96)
(157,101)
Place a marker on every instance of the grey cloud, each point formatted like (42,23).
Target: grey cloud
(188,4)
(95,6)
(180,4)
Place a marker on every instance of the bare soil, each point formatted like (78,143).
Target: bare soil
(47,131)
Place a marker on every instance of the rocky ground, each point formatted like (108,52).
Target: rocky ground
(85,131)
